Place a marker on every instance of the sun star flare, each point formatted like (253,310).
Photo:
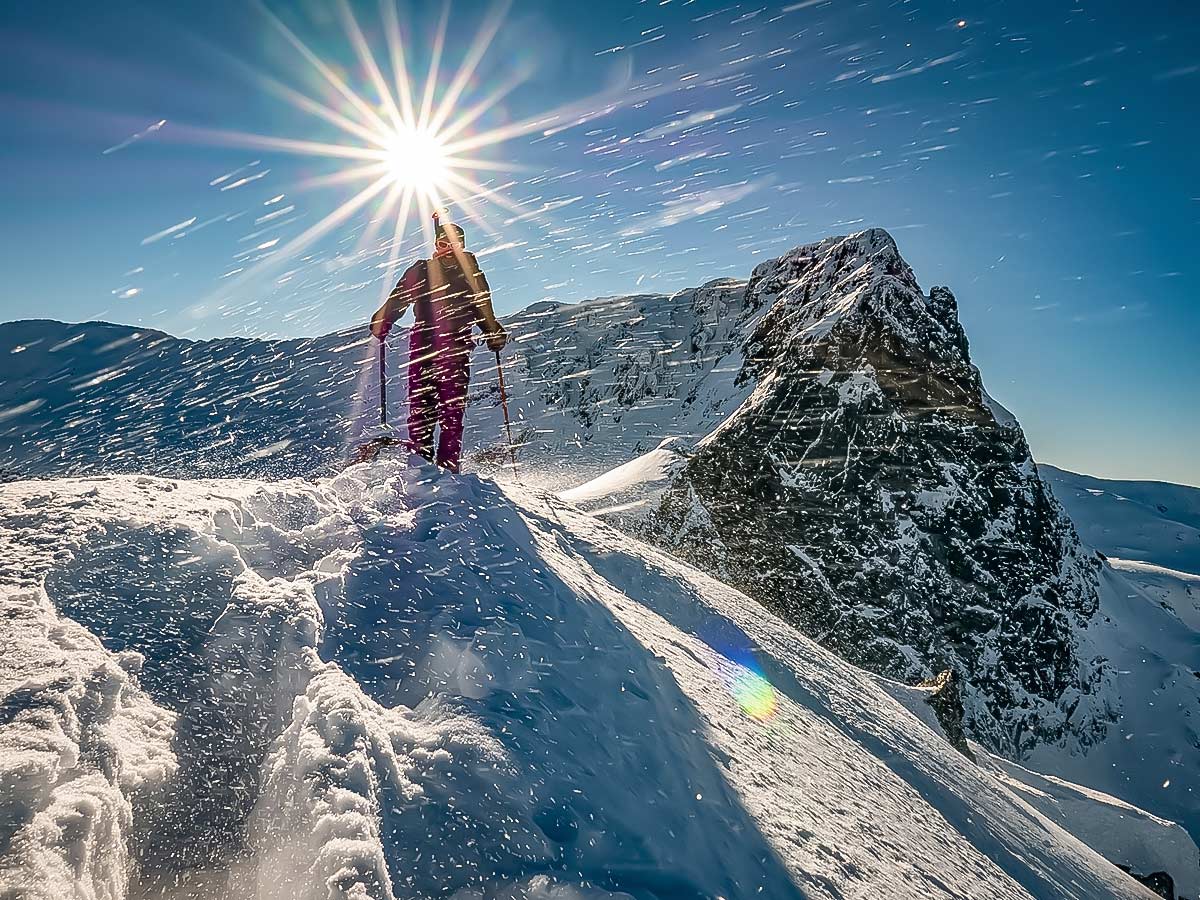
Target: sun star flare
(404,145)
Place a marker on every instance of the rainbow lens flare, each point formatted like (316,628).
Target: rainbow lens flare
(753,693)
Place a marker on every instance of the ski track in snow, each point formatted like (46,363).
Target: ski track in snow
(401,684)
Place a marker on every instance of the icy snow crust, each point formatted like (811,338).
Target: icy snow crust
(397,683)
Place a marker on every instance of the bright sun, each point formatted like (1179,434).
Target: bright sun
(417,159)
(412,147)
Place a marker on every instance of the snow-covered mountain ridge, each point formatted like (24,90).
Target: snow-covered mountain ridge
(397,683)
(826,410)
(612,377)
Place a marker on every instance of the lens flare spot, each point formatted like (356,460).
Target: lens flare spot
(754,694)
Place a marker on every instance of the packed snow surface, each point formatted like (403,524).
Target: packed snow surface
(397,683)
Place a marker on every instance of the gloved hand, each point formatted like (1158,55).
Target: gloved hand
(380,325)
(496,340)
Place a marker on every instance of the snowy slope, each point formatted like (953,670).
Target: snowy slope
(1160,851)
(1142,521)
(1148,626)
(1146,843)
(1149,530)
(1176,591)
(90,398)
(398,683)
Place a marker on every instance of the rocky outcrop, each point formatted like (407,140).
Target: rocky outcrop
(945,699)
(870,491)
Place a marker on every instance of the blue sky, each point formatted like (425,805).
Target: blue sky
(1037,157)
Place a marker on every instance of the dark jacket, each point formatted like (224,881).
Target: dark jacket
(447,292)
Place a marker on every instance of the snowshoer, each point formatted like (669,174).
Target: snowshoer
(449,296)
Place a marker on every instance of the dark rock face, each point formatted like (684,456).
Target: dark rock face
(870,492)
(945,698)
(1159,882)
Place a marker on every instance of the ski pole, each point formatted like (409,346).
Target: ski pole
(512,450)
(382,382)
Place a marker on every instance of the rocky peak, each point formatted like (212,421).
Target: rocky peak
(835,256)
(852,303)
(866,491)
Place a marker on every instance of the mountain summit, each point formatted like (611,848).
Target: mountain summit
(869,490)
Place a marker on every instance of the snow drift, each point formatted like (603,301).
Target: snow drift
(401,684)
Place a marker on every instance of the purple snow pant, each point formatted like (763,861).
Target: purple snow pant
(439,371)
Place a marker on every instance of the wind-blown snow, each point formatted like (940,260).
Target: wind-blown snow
(435,687)
(590,386)
(80,743)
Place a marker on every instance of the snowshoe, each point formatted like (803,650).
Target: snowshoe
(370,450)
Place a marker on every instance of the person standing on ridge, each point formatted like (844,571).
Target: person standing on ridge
(449,296)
